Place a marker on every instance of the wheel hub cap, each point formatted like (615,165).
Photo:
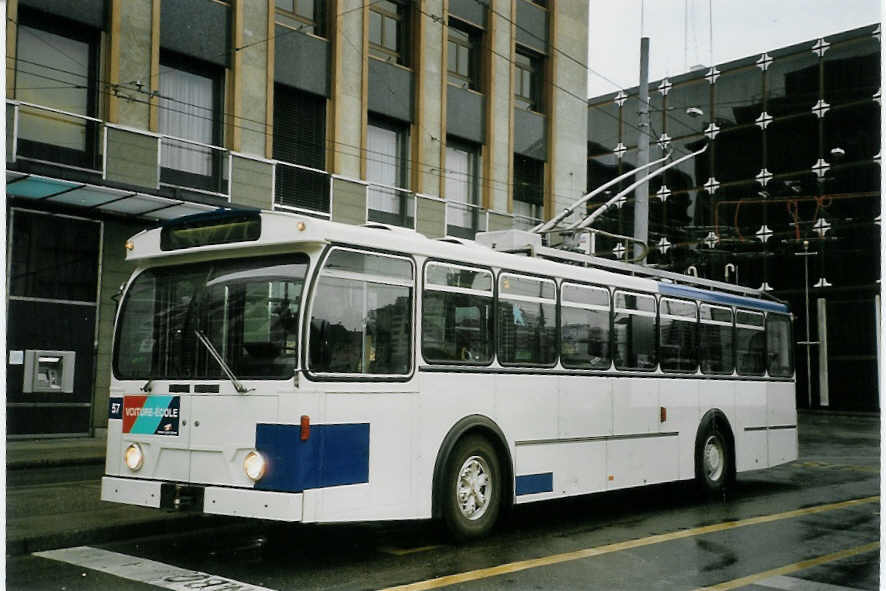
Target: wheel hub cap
(713,458)
(474,488)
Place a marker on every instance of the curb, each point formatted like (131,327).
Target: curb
(52,462)
(110,533)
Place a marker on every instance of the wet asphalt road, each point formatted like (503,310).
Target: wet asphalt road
(784,528)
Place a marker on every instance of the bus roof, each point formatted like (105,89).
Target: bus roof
(282,229)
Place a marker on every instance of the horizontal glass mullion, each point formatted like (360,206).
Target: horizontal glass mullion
(594,307)
(366,277)
(464,290)
(531,299)
(635,312)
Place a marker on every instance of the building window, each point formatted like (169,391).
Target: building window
(56,64)
(527,84)
(388,31)
(528,187)
(190,109)
(387,170)
(309,14)
(463,52)
(300,138)
(463,217)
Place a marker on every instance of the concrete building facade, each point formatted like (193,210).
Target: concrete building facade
(446,116)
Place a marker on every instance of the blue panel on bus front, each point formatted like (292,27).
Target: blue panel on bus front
(716,297)
(333,455)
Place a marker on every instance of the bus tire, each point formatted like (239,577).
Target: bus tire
(713,458)
(472,488)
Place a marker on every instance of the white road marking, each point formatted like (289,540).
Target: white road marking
(151,572)
(796,584)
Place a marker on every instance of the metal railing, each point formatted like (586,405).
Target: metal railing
(302,189)
(54,136)
(391,205)
(464,220)
(195,166)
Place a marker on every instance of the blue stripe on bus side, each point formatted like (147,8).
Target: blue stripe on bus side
(333,455)
(719,298)
(534,483)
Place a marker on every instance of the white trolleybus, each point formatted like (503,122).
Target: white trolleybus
(281,367)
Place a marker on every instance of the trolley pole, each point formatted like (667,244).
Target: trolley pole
(641,204)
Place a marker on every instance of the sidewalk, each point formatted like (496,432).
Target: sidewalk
(70,513)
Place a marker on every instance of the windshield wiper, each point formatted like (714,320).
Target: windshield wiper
(218,358)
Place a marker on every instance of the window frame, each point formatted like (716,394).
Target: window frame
(761,329)
(702,321)
(402,159)
(315,277)
(473,45)
(535,70)
(318,23)
(474,154)
(401,57)
(787,317)
(56,25)
(653,315)
(556,302)
(679,319)
(593,307)
(448,289)
(172,176)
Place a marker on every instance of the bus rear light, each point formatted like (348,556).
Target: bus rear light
(254,465)
(134,457)
(305,427)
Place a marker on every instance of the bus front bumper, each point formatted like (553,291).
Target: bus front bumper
(215,500)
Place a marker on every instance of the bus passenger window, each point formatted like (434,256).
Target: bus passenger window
(715,339)
(361,321)
(457,315)
(677,332)
(584,327)
(634,331)
(750,344)
(778,346)
(527,321)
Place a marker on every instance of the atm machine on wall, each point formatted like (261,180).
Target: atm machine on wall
(48,371)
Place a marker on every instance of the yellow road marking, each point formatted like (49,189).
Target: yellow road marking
(511,567)
(791,568)
(405,551)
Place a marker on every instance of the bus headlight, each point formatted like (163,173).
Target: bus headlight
(134,457)
(254,465)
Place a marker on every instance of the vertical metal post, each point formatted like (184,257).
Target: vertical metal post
(878,328)
(822,317)
(641,203)
(808,341)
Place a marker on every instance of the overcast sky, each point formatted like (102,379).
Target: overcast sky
(740,28)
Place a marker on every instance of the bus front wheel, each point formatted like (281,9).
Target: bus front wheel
(473,488)
(713,458)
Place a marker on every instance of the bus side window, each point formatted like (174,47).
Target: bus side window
(750,343)
(457,314)
(633,325)
(361,321)
(584,327)
(778,346)
(527,320)
(677,335)
(715,339)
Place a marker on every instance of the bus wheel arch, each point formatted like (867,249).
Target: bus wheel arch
(473,429)
(714,453)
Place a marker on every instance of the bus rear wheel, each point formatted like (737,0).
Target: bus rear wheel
(472,488)
(713,459)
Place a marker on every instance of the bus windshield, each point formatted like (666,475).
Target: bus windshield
(246,308)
